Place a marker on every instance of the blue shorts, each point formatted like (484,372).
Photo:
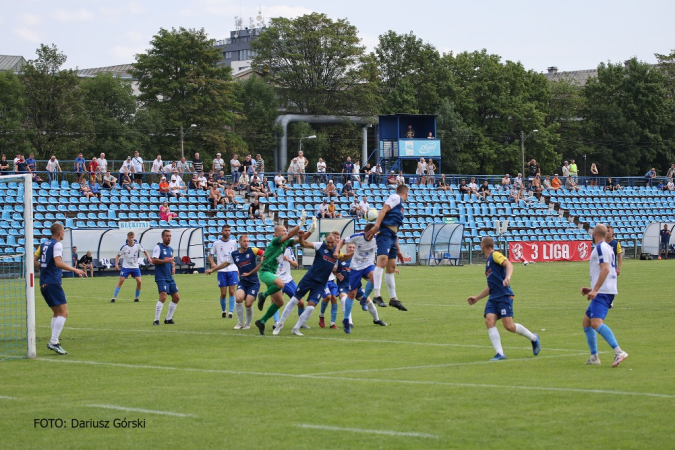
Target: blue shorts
(600,306)
(386,243)
(168,286)
(355,277)
(249,288)
(663,246)
(136,273)
(315,291)
(290,288)
(343,287)
(53,294)
(500,306)
(330,289)
(228,279)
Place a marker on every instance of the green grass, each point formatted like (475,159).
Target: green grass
(426,374)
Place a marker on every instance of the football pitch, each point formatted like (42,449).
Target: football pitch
(422,382)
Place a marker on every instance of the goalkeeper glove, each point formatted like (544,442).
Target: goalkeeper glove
(312,227)
(303,218)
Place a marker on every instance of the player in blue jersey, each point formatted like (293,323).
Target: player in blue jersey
(165,268)
(604,282)
(313,283)
(244,259)
(329,296)
(129,253)
(498,271)
(51,267)
(227,276)
(385,232)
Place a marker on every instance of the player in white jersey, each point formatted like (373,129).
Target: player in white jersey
(601,295)
(361,267)
(284,272)
(228,277)
(129,253)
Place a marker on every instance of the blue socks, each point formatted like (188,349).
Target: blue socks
(276,316)
(604,331)
(369,289)
(223,304)
(323,307)
(232,299)
(349,304)
(117,291)
(333,313)
(592,339)
(138,294)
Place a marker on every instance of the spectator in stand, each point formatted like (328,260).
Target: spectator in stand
(218,163)
(391,179)
(164,188)
(367,173)
(473,187)
(347,189)
(330,190)
(235,165)
(52,166)
(555,183)
(4,165)
(534,170)
(109,181)
(75,257)
(670,174)
(463,188)
(183,166)
(536,186)
(177,186)
(229,193)
(165,212)
(303,163)
(215,197)
(409,133)
(16,159)
(421,172)
(570,185)
(665,241)
(518,181)
(250,166)
(430,135)
(594,174)
(332,211)
(93,169)
(203,183)
(85,191)
(79,169)
(514,194)
(127,167)
(139,168)
(254,188)
(357,170)
(170,169)
(547,182)
(194,182)
(95,188)
(220,179)
(566,170)
(574,171)
(443,185)
(348,169)
(102,166)
(243,182)
(32,165)
(400,179)
(377,174)
(322,210)
(293,174)
(670,186)
(280,182)
(321,170)
(87,263)
(363,207)
(265,186)
(259,165)
(649,177)
(197,164)
(484,190)
(506,182)
(22,166)
(431,172)
(125,181)
(211,180)
(253,209)
(158,166)
(354,208)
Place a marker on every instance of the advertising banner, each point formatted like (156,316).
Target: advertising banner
(423,148)
(409,253)
(546,251)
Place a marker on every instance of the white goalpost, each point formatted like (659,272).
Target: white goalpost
(17,269)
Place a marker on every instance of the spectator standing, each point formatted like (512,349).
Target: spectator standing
(250,166)
(22,166)
(430,135)
(321,170)
(357,170)
(235,165)
(421,171)
(80,164)
(665,241)
(33,168)
(197,164)
(93,169)
(102,166)
(259,165)
(431,172)
(293,175)
(157,166)
(565,170)
(574,172)
(649,176)
(348,169)
(218,163)
(75,257)
(534,170)
(670,174)
(594,174)
(52,167)
(367,173)
(410,133)
(139,168)
(4,165)
(303,163)
(127,167)
(183,166)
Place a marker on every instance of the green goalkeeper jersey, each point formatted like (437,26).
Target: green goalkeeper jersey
(274,249)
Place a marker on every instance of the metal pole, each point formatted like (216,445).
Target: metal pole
(182,153)
(522,152)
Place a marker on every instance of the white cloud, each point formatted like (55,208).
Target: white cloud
(27,35)
(288,12)
(80,15)
(132,7)
(31,19)
(136,37)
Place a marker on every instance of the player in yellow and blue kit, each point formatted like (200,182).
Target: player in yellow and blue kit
(165,268)
(498,271)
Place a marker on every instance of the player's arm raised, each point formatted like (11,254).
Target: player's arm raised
(380,217)
(303,242)
(338,247)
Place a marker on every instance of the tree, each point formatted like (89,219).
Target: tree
(55,120)
(317,65)
(181,78)
(11,115)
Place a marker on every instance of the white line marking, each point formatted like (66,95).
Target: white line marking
(5,397)
(368,380)
(360,430)
(295,338)
(147,411)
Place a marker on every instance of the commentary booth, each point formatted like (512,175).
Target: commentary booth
(396,146)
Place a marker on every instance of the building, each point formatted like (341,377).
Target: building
(11,63)
(236,50)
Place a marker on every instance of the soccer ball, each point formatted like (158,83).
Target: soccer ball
(525,263)
(372,215)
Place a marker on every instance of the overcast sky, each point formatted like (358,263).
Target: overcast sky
(571,35)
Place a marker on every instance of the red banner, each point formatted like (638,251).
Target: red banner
(546,251)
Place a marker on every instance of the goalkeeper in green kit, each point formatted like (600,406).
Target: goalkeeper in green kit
(267,274)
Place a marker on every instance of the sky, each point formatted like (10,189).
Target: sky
(571,35)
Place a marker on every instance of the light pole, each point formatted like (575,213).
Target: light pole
(523,138)
(306,137)
(182,136)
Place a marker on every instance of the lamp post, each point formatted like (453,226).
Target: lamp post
(523,138)
(182,136)
(306,137)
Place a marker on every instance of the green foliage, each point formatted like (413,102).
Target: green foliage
(11,115)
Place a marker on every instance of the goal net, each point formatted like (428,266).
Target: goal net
(17,292)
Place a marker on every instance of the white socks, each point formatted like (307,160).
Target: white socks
(391,284)
(372,309)
(343,301)
(172,308)
(239,307)
(57,327)
(249,316)
(290,307)
(377,280)
(496,341)
(304,317)
(521,330)
(158,309)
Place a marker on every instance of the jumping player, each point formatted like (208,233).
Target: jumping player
(284,272)
(165,268)
(498,271)
(330,294)
(51,267)
(601,295)
(244,260)
(129,253)
(385,232)
(227,276)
